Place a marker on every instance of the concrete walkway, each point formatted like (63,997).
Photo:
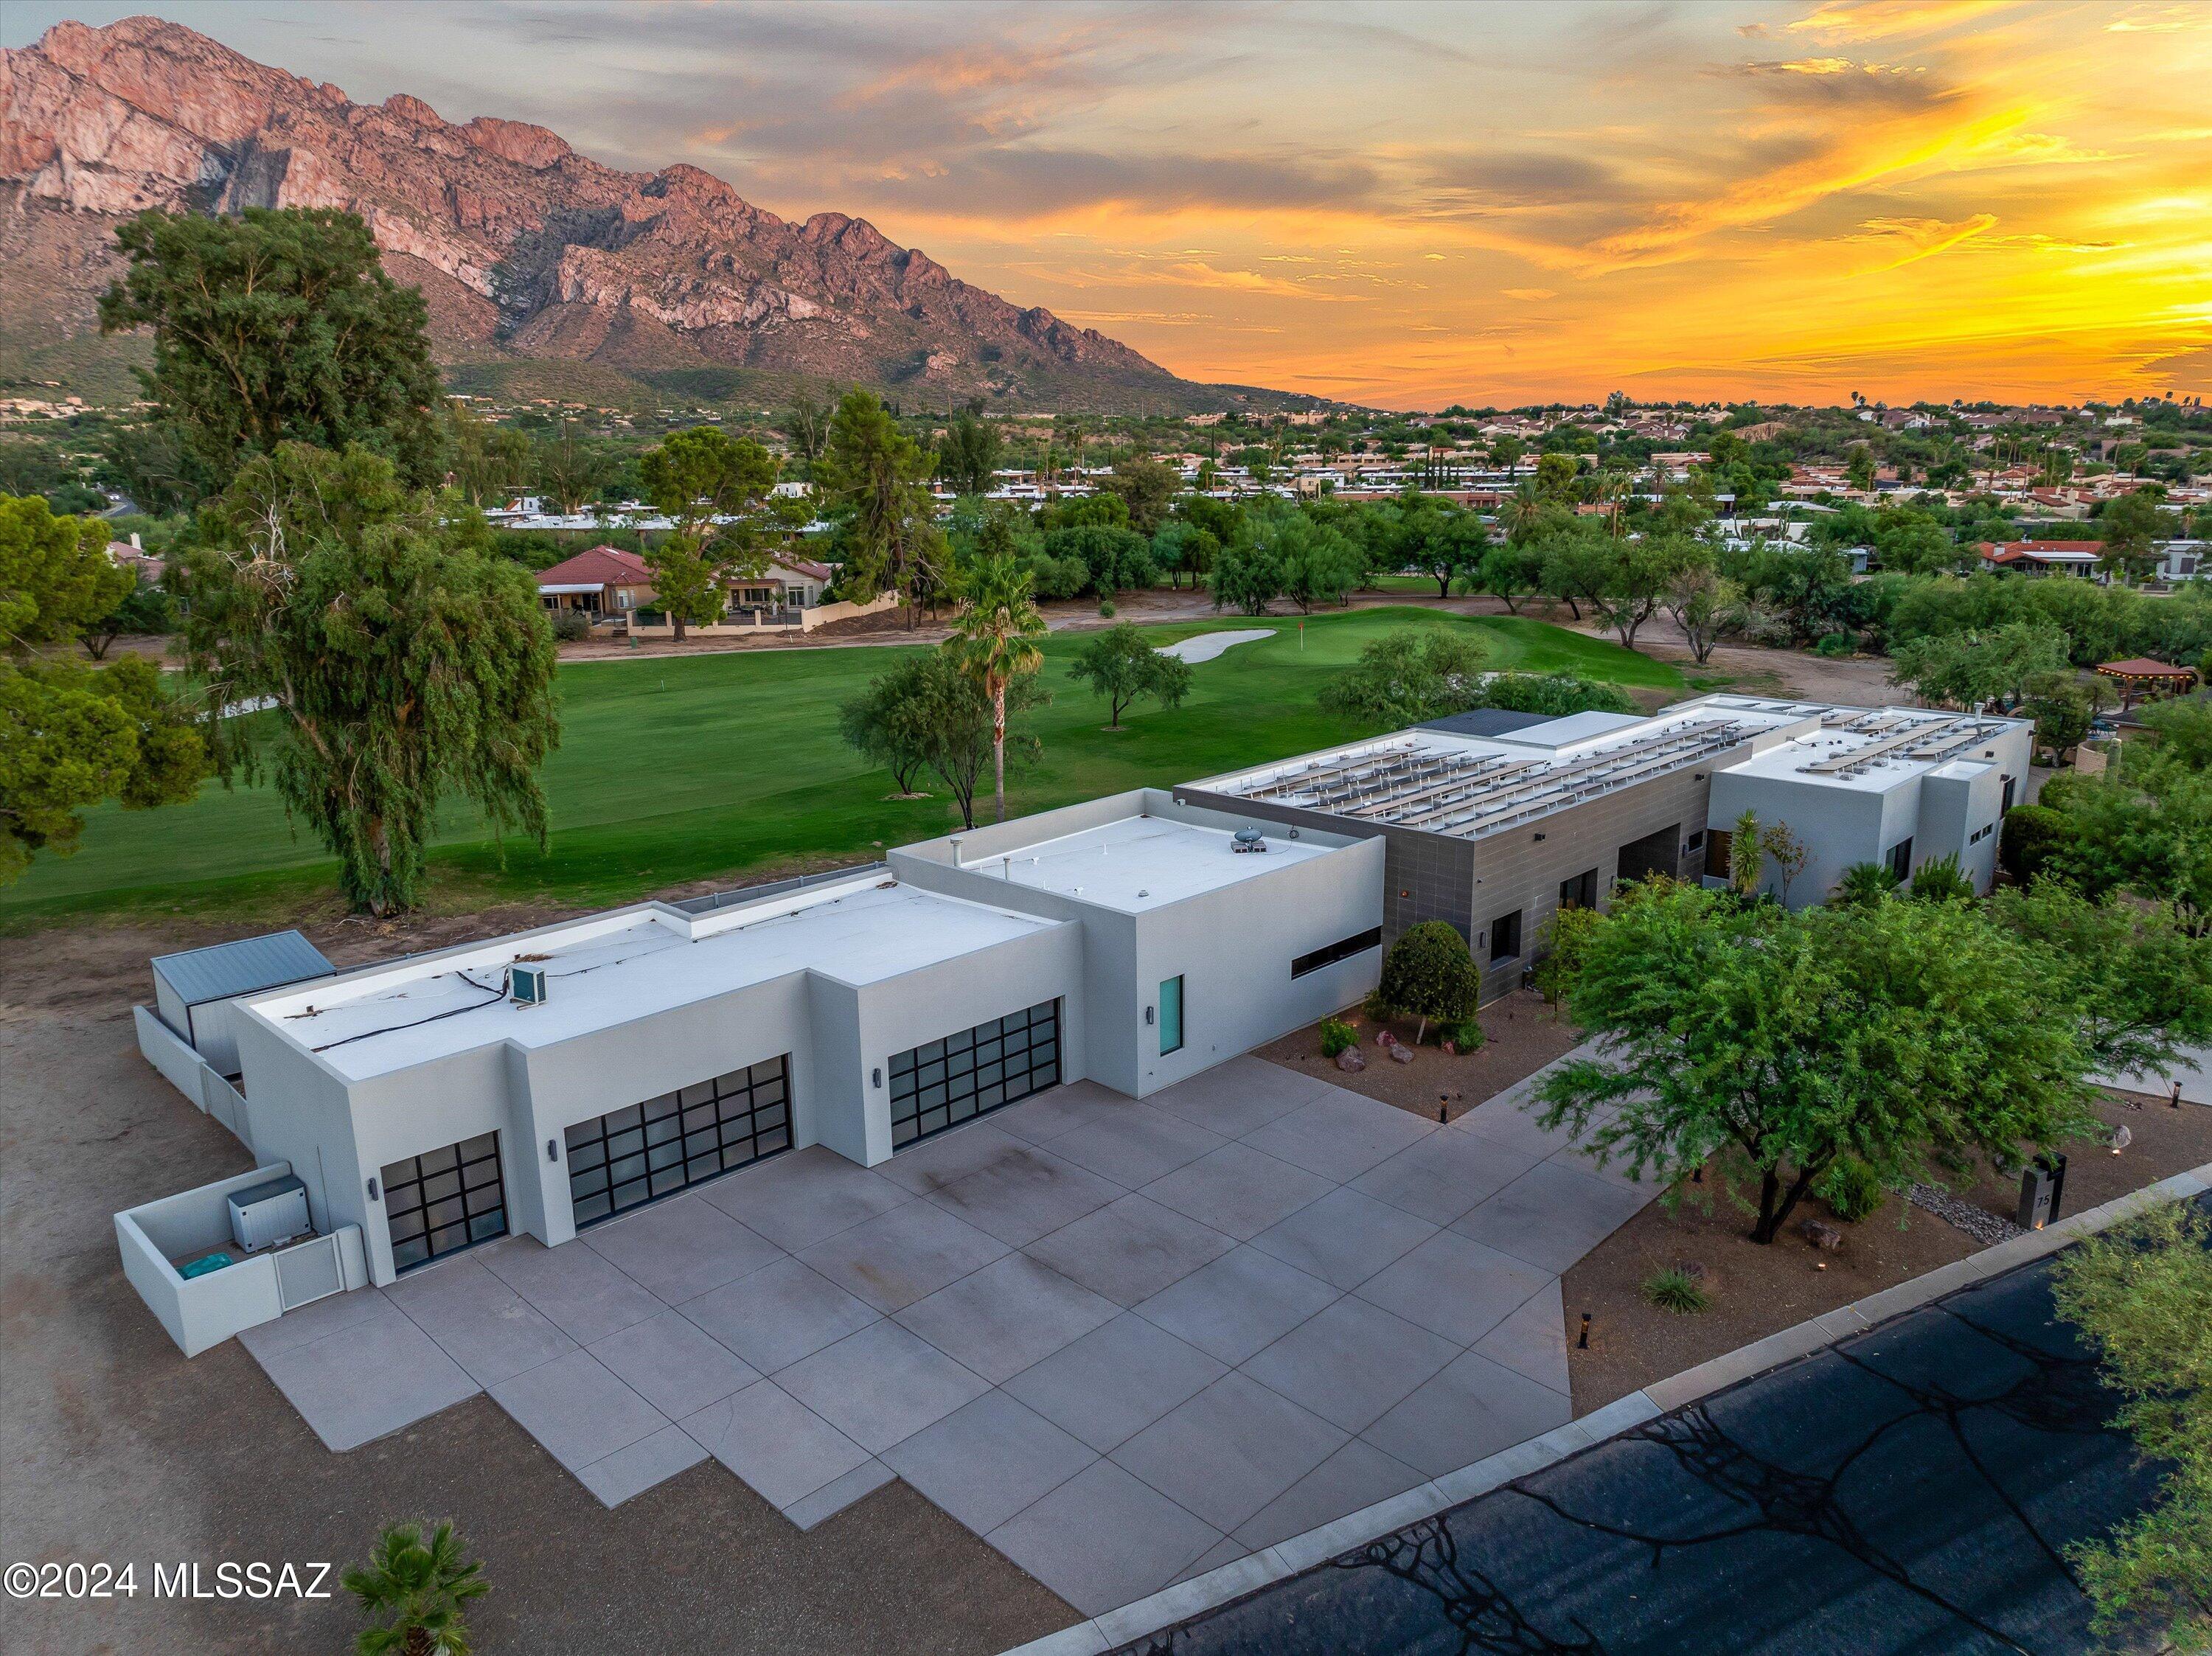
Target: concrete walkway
(2193,1071)
(1124,1343)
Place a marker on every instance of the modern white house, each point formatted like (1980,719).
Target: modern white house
(548,1080)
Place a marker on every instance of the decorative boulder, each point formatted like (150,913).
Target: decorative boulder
(1401,1053)
(1823,1236)
(1384,1038)
(1350,1061)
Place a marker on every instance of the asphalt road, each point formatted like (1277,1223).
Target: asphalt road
(1910,1490)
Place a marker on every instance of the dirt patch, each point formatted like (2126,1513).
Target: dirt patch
(1757,1291)
(2162,1141)
(114,1447)
(1523,1035)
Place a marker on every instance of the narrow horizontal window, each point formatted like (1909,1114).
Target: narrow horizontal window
(1342,950)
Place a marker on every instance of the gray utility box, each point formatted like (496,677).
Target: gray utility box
(266,1214)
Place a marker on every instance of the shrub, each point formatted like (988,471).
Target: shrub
(2142,1294)
(1836,644)
(2033,836)
(1851,1190)
(1562,940)
(1376,1009)
(571,625)
(1558,694)
(1466,1035)
(1674,1290)
(1429,974)
(1940,880)
(1106,609)
(1337,1036)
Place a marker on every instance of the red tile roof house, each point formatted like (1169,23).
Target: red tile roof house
(610,585)
(2043,557)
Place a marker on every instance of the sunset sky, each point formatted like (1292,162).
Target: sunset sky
(1420,204)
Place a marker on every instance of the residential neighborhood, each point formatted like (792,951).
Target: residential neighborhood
(1417,865)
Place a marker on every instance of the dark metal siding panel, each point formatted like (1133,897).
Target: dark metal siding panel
(1515,869)
(242,968)
(1468,882)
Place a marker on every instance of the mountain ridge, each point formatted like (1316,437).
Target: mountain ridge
(525,249)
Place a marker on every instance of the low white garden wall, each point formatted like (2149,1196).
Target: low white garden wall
(199,1311)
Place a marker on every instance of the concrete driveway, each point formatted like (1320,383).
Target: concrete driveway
(1124,1343)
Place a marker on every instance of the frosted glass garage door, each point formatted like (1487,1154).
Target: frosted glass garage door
(944,1082)
(629,1157)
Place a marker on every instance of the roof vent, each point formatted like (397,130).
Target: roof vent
(1248,839)
(525,985)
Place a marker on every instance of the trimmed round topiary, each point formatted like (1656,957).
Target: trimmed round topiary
(1429,974)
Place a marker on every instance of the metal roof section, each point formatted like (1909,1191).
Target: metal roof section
(1440,782)
(246,967)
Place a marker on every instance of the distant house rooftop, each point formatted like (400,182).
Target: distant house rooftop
(601,566)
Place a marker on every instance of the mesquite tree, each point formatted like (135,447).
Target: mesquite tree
(402,661)
(1919,1038)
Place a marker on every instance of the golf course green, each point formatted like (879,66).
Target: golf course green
(672,769)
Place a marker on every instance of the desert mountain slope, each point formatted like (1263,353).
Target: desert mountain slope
(524,248)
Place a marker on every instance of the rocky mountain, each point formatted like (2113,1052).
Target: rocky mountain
(525,249)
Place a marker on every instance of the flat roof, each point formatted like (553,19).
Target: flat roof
(1570,728)
(1881,747)
(1467,787)
(639,961)
(1138,862)
(1483,721)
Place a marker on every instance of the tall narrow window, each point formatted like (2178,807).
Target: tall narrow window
(1899,858)
(1170,1016)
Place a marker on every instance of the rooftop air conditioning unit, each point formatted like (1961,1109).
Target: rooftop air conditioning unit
(264,1214)
(525,985)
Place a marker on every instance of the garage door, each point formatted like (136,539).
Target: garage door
(962,1077)
(631,1156)
(444,1201)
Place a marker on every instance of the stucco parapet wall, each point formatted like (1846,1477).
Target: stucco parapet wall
(641,961)
(1284,1559)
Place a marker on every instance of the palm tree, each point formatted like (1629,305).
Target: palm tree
(416,1590)
(1864,884)
(994,642)
(1523,511)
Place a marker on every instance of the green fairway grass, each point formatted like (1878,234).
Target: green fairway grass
(673,769)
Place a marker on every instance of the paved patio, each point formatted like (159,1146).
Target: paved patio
(1123,1342)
